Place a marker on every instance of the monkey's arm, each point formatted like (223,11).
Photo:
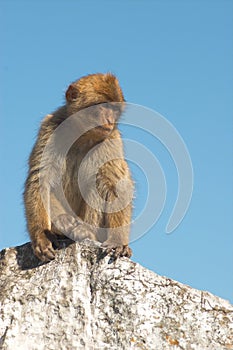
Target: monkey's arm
(118,225)
(38,222)
(118,192)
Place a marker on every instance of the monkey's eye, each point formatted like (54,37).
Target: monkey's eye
(115,107)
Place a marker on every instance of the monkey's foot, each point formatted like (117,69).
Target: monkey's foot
(81,232)
(43,248)
(74,228)
(116,250)
(66,223)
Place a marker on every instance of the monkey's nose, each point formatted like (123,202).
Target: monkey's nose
(110,120)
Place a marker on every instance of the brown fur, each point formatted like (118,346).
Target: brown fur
(112,229)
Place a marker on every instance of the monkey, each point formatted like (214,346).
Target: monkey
(93,174)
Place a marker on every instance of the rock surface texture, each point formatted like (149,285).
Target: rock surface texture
(83,300)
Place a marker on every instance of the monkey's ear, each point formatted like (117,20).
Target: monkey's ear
(72,93)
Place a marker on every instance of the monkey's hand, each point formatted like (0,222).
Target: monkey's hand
(43,248)
(116,250)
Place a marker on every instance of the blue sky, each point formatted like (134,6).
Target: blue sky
(172,56)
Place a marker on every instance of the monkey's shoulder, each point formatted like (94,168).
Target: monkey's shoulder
(55,118)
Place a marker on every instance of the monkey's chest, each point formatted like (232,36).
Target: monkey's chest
(89,176)
(80,178)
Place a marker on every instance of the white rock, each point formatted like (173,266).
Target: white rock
(83,301)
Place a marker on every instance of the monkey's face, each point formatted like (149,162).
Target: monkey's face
(99,120)
(106,115)
(99,101)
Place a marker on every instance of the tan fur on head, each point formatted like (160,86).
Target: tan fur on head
(92,89)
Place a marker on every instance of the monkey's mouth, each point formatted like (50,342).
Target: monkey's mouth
(105,128)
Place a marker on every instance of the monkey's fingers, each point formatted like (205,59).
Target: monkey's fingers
(43,249)
(126,251)
(116,250)
(45,255)
(123,250)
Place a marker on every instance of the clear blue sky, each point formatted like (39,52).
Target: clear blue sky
(172,56)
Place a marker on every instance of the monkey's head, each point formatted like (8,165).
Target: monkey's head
(100,100)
